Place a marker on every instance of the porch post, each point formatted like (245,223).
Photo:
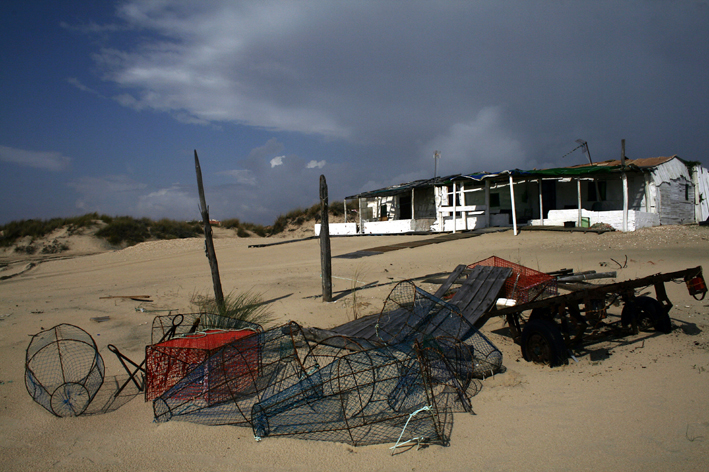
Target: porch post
(465,213)
(361,224)
(514,214)
(541,204)
(439,215)
(454,206)
(578,197)
(625,201)
(487,203)
(345,207)
(413,216)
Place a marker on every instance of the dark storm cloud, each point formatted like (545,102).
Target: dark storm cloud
(492,85)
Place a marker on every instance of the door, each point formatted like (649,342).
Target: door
(548,196)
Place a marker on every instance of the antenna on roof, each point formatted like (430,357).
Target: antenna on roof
(583,145)
(436,156)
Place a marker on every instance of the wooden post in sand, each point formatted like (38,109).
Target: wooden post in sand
(325,262)
(209,243)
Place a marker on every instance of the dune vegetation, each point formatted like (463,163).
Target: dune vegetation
(128,231)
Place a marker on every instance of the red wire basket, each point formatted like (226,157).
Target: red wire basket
(525,284)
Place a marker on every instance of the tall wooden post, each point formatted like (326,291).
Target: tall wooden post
(325,262)
(209,243)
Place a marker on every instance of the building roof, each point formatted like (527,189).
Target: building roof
(603,167)
(641,163)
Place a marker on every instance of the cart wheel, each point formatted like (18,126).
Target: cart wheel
(542,343)
(541,313)
(648,313)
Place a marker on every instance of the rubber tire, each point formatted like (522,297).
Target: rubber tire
(649,314)
(542,343)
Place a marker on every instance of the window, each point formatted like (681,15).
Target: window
(449,191)
(686,192)
(494,199)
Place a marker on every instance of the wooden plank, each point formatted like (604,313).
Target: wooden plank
(477,294)
(449,281)
(486,295)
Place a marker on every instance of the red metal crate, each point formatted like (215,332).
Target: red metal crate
(170,361)
(525,284)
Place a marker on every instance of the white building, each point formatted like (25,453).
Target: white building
(630,195)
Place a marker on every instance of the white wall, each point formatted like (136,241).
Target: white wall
(636,219)
(388,227)
(474,222)
(701,189)
(338,229)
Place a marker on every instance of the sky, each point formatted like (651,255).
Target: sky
(102,104)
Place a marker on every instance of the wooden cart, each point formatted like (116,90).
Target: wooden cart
(549,328)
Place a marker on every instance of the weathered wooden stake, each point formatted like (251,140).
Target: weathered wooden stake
(209,243)
(325,262)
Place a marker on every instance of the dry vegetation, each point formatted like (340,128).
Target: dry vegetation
(34,236)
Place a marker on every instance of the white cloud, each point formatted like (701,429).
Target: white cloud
(128,100)
(110,184)
(77,83)
(277,161)
(203,64)
(111,194)
(242,176)
(315,164)
(52,161)
(176,201)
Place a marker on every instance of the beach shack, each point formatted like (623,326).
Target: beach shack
(627,195)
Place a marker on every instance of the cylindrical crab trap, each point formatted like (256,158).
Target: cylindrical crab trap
(63,369)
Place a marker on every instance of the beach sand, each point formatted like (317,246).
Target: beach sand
(637,403)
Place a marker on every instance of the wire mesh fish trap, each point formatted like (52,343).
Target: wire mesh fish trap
(360,398)
(332,390)
(63,370)
(169,326)
(223,388)
(525,284)
(168,362)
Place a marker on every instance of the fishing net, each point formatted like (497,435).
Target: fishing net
(424,363)
(169,326)
(525,284)
(169,361)
(332,390)
(63,370)
(363,397)
(223,388)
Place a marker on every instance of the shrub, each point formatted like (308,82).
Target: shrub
(171,229)
(125,229)
(246,306)
(231,223)
(15,230)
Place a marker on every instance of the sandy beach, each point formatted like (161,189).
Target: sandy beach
(637,403)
